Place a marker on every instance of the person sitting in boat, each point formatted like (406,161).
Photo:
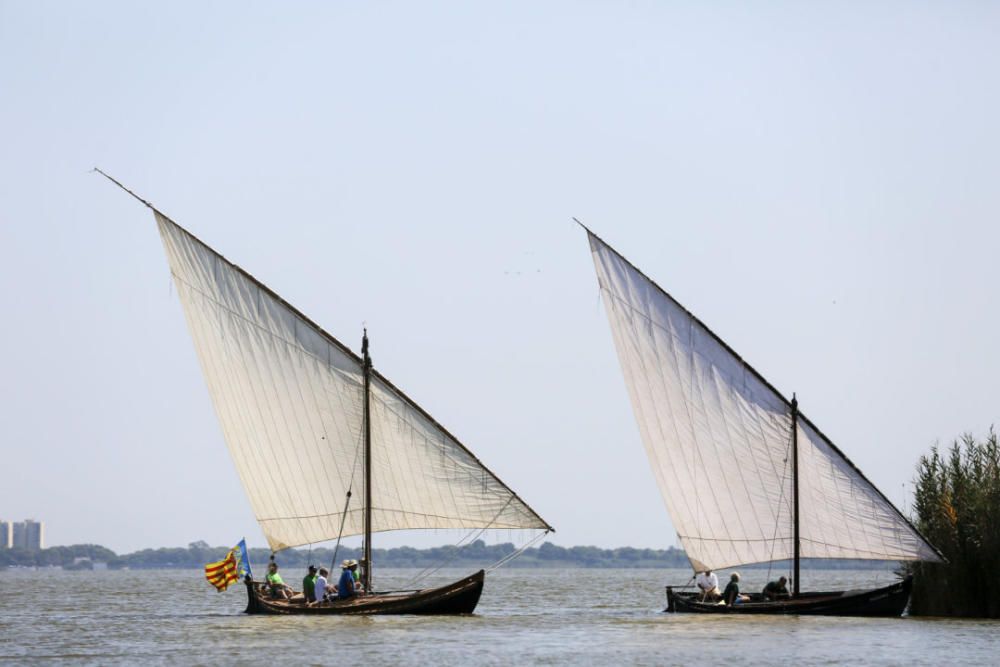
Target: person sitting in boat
(777,590)
(732,595)
(708,584)
(321,585)
(356,573)
(309,585)
(348,586)
(276,584)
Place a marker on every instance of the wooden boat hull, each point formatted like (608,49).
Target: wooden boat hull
(460,597)
(888,601)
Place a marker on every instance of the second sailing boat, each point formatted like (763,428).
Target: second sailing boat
(746,477)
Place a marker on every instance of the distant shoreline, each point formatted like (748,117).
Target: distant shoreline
(477,554)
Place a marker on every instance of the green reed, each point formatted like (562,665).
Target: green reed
(957,507)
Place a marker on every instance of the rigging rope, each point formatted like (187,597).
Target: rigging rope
(347,502)
(429,570)
(774,536)
(343,518)
(511,556)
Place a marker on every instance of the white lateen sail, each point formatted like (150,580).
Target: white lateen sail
(289,398)
(719,439)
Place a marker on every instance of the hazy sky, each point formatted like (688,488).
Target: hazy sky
(816,181)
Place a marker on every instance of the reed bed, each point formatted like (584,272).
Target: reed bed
(957,507)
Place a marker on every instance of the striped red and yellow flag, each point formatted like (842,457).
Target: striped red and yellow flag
(223,573)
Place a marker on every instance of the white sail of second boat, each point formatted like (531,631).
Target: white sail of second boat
(290,401)
(718,437)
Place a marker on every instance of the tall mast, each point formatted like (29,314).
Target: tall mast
(795,484)
(366,573)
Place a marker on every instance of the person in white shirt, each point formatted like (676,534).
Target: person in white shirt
(321,584)
(708,584)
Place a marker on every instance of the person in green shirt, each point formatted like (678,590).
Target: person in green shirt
(353,564)
(309,585)
(276,584)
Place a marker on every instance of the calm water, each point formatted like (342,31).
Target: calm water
(525,617)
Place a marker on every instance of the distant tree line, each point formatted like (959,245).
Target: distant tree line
(957,506)
(476,554)
(197,554)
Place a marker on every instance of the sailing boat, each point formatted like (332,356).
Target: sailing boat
(307,422)
(746,477)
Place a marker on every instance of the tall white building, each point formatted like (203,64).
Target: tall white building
(6,535)
(35,534)
(28,534)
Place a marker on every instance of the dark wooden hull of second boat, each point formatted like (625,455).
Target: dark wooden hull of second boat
(460,597)
(887,601)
